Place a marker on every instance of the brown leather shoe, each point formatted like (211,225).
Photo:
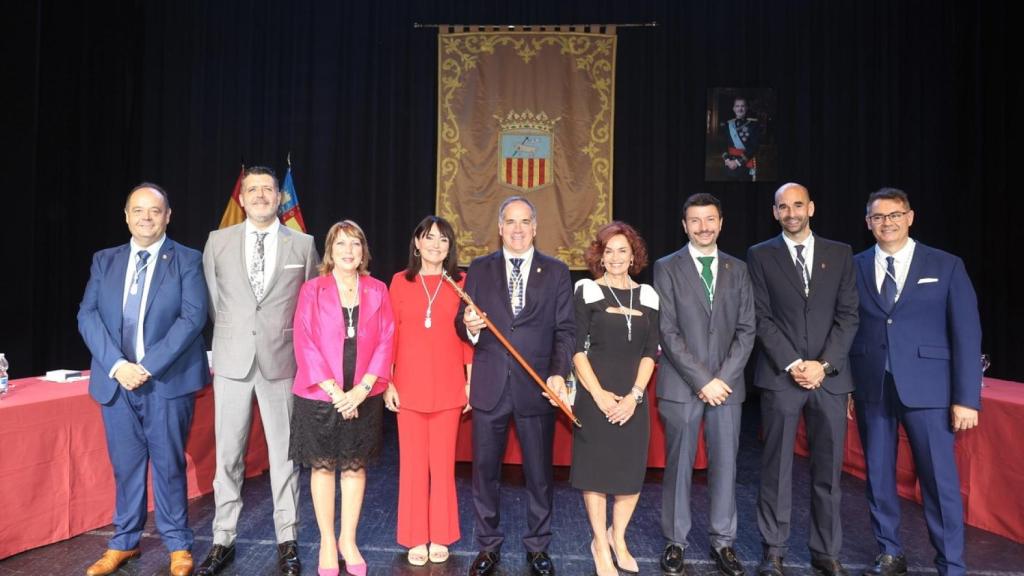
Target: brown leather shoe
(111,561)
(181,563)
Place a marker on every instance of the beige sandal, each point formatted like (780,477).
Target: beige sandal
(418,556)
(438,554)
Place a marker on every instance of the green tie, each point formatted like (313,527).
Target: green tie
(707,276)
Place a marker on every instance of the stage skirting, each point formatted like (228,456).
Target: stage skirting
(990,459)
(55,476)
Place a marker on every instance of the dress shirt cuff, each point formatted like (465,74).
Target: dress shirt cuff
(793,363)
(474,338)
(116,366)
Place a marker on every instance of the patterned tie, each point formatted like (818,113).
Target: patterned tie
(256,268)
(515,286)
(707,276)
(889,284)
(133,307)
(801,268)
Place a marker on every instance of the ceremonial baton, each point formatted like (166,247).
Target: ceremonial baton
(512,350)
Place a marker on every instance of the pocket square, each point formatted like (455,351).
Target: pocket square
(927,280)
(287,266)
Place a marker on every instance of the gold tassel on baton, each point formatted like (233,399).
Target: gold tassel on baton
(512,350)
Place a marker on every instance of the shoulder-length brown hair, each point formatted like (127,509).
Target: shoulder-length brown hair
(352,229)
(451,262)
(596,249)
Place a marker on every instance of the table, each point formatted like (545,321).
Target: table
(562,455)
(55,475)
(990,459)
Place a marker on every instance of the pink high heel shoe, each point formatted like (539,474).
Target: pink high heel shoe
(353,569)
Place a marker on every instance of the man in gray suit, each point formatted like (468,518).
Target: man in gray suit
(254,271)
(707,333)
(805,294)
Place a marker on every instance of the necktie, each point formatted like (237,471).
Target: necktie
(256,267)
(515,286)
(801,268)
(889,284)
(133,307)
(707,276)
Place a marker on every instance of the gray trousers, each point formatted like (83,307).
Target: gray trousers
(232,419)
(722,433)
(825,416)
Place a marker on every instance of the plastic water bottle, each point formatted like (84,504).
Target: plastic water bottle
(3,374)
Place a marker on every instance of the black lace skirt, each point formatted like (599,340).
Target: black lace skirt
(322,439)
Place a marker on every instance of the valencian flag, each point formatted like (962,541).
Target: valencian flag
(233,213)
(504,128)
(291,215)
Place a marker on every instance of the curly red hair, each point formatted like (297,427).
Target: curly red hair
(596,249)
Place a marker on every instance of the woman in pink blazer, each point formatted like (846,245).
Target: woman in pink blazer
(343,346)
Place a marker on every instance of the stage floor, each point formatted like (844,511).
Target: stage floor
(987,554)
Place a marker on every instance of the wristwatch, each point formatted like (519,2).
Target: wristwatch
(638,395)
(829,369)
(366,386)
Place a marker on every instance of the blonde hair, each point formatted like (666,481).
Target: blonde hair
(352,229)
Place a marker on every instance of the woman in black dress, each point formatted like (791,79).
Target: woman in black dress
(616,343)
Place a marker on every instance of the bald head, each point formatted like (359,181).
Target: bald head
(793,209)
(798,188)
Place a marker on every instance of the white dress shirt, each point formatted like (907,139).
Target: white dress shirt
(269,248)
(524,270)
(694,254)
(808,245)
(129,279)
(900,261)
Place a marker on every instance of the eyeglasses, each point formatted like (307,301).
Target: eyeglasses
(894,217)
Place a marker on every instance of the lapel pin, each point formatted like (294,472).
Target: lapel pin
(726,265)
(822,265)
(538,270)
(164,256)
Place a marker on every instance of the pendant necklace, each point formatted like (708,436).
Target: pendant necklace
(629,314)
(430,299)
(350,310)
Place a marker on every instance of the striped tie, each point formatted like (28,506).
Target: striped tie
(515,286)
(801,268)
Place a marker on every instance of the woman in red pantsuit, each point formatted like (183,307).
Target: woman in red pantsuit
(429,391)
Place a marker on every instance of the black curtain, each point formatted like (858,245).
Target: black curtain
(99,96)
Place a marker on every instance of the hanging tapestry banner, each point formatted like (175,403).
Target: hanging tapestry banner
(526,113)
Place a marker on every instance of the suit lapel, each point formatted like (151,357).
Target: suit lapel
(866,262)
(534,286)
(917,263)
(115,282)
(284,249)
(786,266)
(689,272)
(242,262)
(163,262)
(724,280)
(501,278)
(369,301)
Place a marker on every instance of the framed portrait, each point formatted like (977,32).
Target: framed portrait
(738,141)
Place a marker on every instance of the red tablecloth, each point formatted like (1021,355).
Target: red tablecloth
(563,439)
(55,475)
(990,459)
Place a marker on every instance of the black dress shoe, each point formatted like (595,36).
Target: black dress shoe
(888,565)
(827,567)
(727,562)
(672,561)
(540,564)
(288,558)
(484,563)
(216,560)
(770,566)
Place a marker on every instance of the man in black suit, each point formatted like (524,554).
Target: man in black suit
(528,297)
(805,296)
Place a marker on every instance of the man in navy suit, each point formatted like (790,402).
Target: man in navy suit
(916,361)
(528,297)
(805,298)
(142,318)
